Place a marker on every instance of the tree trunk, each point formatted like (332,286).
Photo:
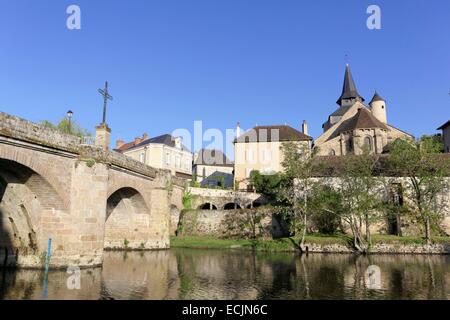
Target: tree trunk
(427,231)
(399,225)
(368,230)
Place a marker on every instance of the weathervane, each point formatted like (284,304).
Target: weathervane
(106,97)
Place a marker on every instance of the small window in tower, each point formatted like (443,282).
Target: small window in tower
(368,143)
(350,145)
(382,107)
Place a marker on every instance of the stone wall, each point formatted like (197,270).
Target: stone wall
(231,223)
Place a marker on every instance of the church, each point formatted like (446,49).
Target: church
(354,126)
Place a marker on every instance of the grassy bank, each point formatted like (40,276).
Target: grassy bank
(200,242)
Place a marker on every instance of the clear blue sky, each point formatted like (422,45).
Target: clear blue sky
(222,61)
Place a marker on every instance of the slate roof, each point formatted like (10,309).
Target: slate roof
(376,97)
(349,88)
(445,125)
(212,158)
(340,111)
(165,139)
(272,134)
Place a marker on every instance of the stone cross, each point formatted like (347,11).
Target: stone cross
(106,97)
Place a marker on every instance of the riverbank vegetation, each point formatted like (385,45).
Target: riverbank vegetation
(289,244)
(408,186)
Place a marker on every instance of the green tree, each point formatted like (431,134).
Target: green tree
(359,190)
(296,187)
(266,185)
(426,173)
(326,209)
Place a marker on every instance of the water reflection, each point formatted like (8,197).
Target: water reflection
(199,274)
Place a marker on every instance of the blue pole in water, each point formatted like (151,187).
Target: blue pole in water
(49,254)
(47,262)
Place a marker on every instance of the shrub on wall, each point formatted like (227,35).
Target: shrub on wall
(248,223)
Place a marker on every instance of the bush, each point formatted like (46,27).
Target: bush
(326,210)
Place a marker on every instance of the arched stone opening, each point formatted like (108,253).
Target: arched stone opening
(207,206)
(30,213)
(128,222)
(231,206)
(254,204)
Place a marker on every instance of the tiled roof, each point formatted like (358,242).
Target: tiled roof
(126,146)
(273,133)
(363,119)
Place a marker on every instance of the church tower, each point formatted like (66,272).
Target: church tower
(378,107)
(349,93)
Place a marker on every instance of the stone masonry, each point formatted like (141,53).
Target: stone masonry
(83,197)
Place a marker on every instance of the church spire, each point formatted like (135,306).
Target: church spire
(349,88)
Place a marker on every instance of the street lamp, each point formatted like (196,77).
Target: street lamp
(69,115)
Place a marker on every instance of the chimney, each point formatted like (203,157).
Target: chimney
(137,140)
(177,142)
(305,127)
(144,136)
(238,130)
(196,155)
(119,143)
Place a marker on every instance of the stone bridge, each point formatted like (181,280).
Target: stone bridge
(84,198)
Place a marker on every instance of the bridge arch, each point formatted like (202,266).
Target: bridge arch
(207,206)
(26,200)
(231,206)
(40,168)
(127,219)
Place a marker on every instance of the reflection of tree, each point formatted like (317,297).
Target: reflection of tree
(283,282)
(185,280)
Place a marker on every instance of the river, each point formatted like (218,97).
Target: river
(228,274)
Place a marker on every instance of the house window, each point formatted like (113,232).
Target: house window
(249,155)
(267,156)
(167,158)
(142,157)
(248,171)
(332,152)
(178,162)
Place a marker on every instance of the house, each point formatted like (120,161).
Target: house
(446,135)
(162,152)
(212,168)
(260,149)
(355,126)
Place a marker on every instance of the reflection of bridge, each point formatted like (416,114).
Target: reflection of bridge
(84,198)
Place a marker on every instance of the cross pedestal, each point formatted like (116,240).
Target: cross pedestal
(102,136)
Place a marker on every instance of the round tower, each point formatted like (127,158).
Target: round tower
(378,107)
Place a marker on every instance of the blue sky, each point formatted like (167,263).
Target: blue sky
(222,61)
